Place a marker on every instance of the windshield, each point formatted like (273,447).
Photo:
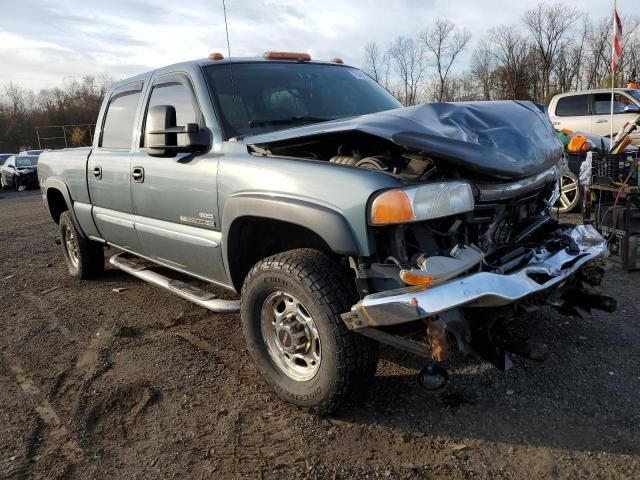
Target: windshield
(3,158)
(22,162)
(635,94)
(261,97)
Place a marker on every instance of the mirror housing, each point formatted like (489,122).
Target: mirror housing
(632,108)
(163,137)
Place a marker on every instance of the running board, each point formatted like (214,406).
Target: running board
(138,268)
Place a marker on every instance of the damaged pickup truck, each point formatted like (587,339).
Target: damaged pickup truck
(342,219)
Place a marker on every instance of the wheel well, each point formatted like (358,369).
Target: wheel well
(56,203)
(251,239)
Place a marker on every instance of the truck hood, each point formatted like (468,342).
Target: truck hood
(502,139)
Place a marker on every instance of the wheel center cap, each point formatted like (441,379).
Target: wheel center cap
(284,336)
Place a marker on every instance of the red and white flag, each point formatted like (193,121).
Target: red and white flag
(616,51)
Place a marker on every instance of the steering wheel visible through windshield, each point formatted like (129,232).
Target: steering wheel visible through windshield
(259,97)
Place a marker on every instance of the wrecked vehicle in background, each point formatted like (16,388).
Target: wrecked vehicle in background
(338,215)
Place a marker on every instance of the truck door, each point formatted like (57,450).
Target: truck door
(602,113)
(109,169)
(175,197)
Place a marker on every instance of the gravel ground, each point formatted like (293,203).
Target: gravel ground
(96,383)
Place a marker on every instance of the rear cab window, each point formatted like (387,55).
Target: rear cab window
(120,117)
(573,106)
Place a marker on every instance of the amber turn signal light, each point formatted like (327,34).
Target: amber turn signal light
(305,57)
(413,278)
(393,206)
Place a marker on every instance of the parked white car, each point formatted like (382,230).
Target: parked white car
(589,111)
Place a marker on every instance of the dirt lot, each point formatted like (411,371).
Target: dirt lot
(140,384)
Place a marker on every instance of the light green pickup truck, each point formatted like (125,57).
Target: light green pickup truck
(340,218)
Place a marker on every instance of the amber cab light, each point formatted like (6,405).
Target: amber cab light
(337,60)
(414,278)
(305,57)
(393,206)
(216,56)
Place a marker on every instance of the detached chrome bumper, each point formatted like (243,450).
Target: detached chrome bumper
(481,289)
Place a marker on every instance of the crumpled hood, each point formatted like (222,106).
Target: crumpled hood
(26,170)
(503,139)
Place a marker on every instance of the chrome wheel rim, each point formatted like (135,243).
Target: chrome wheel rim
(71,246)
(291,336)
(569,193)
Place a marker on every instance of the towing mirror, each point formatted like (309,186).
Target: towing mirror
(165,138)
(632,108)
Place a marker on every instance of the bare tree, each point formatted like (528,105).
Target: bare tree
(373,61)
(444,41)
(409,60)
(511,51)
(482,67)
(550,29)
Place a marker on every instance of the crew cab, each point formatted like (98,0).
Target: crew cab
(339,218)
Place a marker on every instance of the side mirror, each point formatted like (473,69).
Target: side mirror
(632,108)
(164,137)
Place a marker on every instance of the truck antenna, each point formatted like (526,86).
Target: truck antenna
(233,87)
(226,27)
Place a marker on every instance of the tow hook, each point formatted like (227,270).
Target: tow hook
(433,377)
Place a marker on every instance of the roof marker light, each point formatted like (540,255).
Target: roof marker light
(304,57)
(337,60)
(216,56)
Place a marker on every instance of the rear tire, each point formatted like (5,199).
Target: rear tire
(290,309)
(84,258)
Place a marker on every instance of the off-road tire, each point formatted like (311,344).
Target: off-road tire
(90,255)
(348,360)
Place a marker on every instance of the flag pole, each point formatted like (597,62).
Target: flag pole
(613,71)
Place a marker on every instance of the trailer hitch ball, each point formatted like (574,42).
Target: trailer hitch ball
(433,377)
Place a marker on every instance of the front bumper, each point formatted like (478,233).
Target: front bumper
(482,289)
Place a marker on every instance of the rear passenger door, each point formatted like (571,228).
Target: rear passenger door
(175,197)
(109,169)
(572,112)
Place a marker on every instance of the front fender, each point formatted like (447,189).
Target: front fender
(330,225)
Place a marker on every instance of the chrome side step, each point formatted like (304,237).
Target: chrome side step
(139,268)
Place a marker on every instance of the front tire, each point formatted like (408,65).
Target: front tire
(569,193)
(290,309)
(84,258)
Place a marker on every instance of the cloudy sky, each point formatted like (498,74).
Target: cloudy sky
(42,42)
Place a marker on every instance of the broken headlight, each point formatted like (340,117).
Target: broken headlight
(422,202)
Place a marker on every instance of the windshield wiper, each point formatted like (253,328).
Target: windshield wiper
(288,120)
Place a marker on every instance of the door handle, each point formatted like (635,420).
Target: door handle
(555,123)
(137,174)
(97,172)
(602,121)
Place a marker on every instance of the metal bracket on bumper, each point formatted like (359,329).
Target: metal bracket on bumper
(483,289)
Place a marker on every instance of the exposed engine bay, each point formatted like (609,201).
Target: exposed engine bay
(467,241)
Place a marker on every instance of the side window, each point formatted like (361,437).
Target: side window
(573,106)
(117,130)
(602,103)
(179,96)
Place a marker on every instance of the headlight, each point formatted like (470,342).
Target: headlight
(422,202)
